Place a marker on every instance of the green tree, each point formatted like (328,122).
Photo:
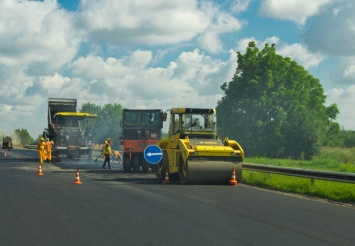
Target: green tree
(349,138)
(273,106)
(23,136)
(107,124)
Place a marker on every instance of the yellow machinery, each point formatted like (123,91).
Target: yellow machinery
(194,154)
(70,130)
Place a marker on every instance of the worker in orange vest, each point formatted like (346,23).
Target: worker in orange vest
(41,148)
(49,150)
(116,155)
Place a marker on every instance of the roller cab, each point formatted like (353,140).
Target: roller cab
(194,154)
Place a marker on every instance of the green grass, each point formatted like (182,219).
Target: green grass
(330,159)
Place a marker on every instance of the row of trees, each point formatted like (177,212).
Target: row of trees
(20,137)
(108,122)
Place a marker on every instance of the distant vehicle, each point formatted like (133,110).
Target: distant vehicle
(140,128)
(7,143)
(70,131)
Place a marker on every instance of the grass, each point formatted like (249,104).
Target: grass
(330,159)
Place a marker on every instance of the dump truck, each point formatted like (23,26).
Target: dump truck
(140,128)
(7,143)
(70,131)
(193,153)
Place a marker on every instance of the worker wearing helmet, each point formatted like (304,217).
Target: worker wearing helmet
(107,153)
(41,148)
(116,155)
(49,150)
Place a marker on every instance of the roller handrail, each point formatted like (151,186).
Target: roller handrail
(303,173)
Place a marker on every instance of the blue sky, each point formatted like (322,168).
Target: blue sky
(163,53)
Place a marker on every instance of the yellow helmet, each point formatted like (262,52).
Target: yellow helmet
(42,139)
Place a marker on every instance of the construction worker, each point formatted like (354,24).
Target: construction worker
(116,155)
(41,148)
(49,150)
(107,153)
(89,145)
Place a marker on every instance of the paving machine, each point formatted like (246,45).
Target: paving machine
(140,128)
(70,130)
(194,154)
(7,143)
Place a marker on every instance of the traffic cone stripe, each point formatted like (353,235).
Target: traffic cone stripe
(233,181)
(77,178)
(39,173)
(166,180)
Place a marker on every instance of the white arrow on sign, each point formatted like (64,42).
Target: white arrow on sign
(150,154)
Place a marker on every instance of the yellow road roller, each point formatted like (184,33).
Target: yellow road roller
(193,153)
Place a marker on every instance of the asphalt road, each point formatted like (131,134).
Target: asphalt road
(114,208)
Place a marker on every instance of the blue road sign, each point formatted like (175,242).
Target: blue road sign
(153,154)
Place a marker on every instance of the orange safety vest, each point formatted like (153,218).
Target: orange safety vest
(49,145)
(41,145)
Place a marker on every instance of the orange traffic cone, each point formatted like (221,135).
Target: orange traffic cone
(5,154)
(77,178)
(233,180)
(166,180)
(39,173)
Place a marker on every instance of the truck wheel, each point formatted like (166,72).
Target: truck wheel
(136,164)
(126,166)
(145,166)
(155,169)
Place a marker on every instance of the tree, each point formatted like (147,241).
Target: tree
(107,124)
(23,137)
(273,106)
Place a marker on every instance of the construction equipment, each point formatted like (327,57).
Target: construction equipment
(7,143)
(140,128)
(70,131)
(194,154)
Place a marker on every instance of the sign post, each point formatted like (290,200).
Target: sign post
(153,155)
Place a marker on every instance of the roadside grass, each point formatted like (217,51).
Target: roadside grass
(335,191)
(330,159)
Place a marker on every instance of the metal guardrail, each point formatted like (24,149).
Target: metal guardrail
(303,173)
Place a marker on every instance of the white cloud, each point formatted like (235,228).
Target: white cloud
(333,31)
(297,52)
(221,23)
(191,75)
(294,10)
(142,22)
(55,82)
(343,72)
(36,34)
(345,100)
(237,6)
(350,71)
(129,22)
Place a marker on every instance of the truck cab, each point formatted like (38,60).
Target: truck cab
(140,128)
(71,131)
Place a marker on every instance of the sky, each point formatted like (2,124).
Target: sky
(163,53)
